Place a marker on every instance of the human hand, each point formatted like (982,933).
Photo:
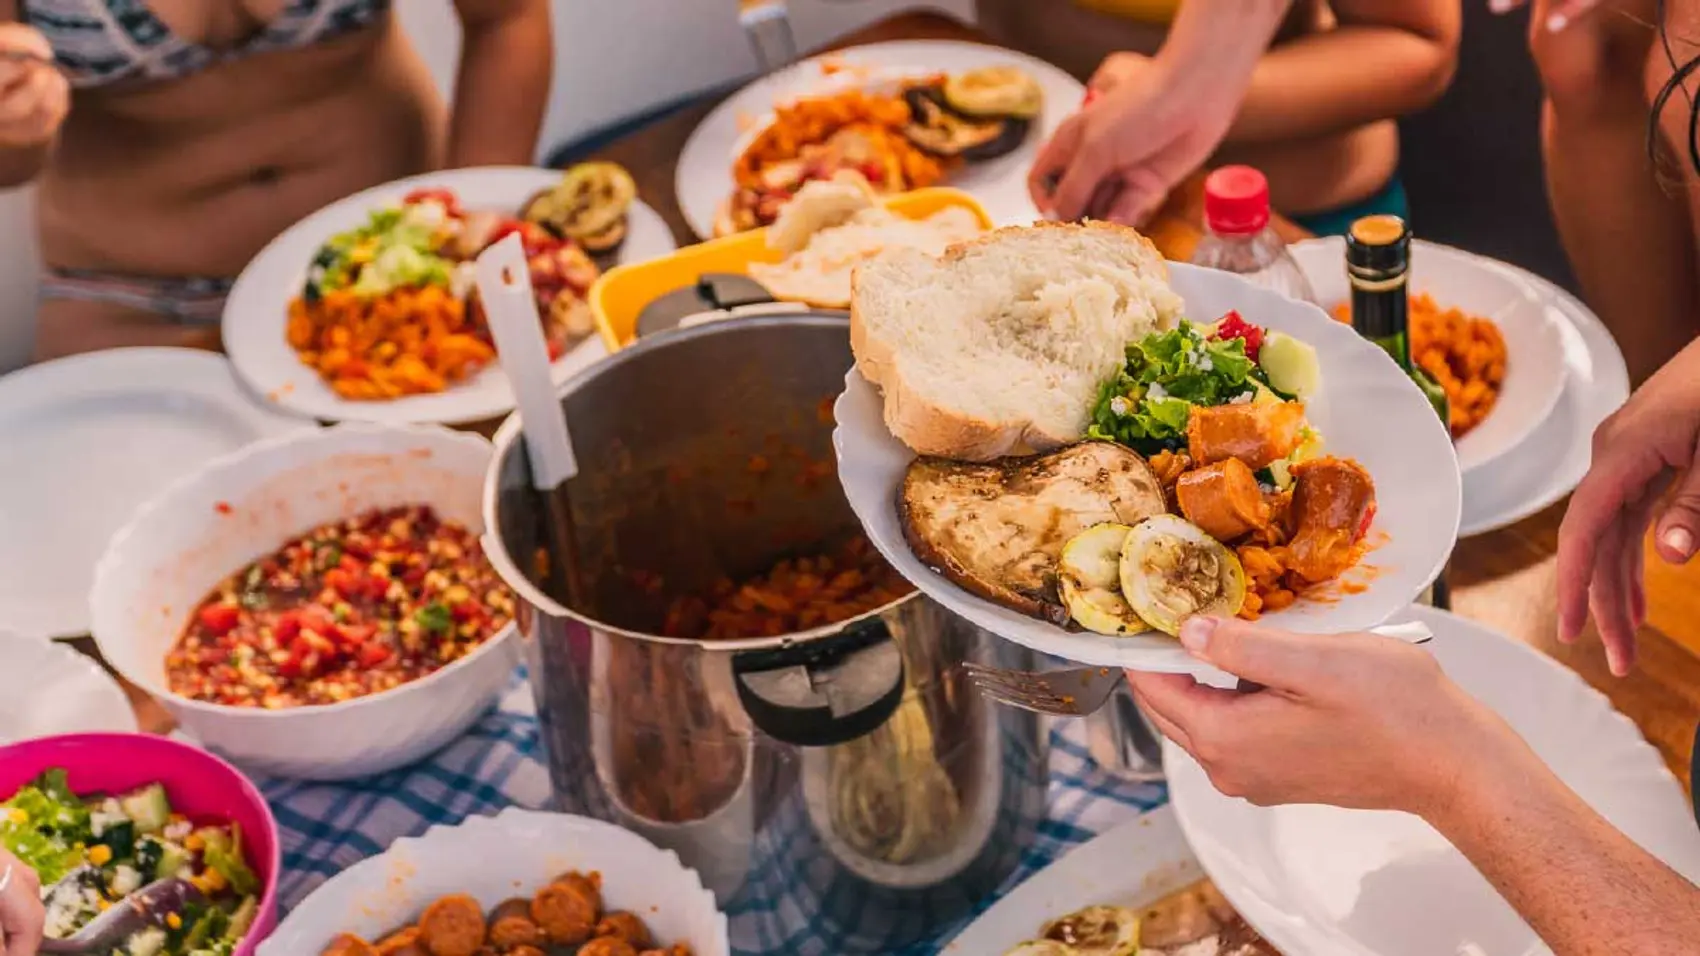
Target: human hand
(34,95)
(1561,13)
(1641,450)
(1349,720)
(1147,127)
(21,912)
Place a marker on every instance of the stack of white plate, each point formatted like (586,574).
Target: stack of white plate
(1563,376)
(1329,882)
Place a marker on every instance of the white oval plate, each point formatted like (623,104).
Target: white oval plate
(1367,409)
(83,441)
(703,178)
(1330,882)
(48,689)
(257,310)
(1535,368)
(513,853)
(1134,865)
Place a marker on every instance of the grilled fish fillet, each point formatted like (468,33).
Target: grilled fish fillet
(996,529)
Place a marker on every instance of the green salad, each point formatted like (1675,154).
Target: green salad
(1148,403)
(397,247)
(91,852)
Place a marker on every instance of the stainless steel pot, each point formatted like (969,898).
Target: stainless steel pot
(842,790)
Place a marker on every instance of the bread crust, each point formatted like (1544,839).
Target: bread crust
(932,429)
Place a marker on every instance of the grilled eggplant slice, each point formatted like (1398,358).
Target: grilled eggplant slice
(939,130)
(998,529)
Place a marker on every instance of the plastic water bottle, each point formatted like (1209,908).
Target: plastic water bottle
(1238,238)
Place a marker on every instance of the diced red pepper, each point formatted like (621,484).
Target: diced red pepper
(372,655)
(316,618)
(467,611)
(219,618)
(355,634)
(288,625)
(343,582)
(1369,519)
(1234,327)
(444,197)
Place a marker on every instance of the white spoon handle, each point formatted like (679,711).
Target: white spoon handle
(504,286)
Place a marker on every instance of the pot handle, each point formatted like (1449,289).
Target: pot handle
(828,691)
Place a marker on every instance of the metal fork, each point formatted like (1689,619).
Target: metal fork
(1079,691)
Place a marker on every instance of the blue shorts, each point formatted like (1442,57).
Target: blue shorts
(1391,199)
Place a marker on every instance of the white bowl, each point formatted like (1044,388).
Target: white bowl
(178,546)
(1535,369)
(497,858)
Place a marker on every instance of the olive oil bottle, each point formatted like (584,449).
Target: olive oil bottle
(1378,265)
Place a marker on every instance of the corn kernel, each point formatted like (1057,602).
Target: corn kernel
(100,854)
(18,816)
(104,904)
(195,842)
(174,921)
(215,881)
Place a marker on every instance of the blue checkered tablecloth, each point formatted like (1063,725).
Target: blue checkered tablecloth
(499,763)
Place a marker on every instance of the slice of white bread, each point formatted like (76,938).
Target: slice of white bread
(1000,345)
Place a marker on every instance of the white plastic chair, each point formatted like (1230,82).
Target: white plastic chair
(617,59)
(19,267)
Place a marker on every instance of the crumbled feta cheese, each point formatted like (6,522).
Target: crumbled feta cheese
(125,880)
(177,831)
(1204,363)
(1156,392)
(1243,398)
(1120,405)
(148,942)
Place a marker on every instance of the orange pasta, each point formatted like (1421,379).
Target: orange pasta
(408,342)
(1463,353)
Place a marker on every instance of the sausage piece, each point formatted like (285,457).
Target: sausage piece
(1255,434)
(1331,497)
(402,942)
(607,946)
(348,944)
(567,908)
(1223,499)
(452,926)
(626,926)
(511,925)
(525,951)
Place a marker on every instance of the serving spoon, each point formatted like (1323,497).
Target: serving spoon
(148,906)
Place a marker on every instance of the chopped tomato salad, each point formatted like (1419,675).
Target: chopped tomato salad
(345,610)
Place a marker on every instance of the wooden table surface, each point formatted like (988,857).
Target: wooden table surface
(1504,579)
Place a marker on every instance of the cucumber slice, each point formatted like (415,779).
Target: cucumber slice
(148,808)
(1291,365)
(241,918)
(171,859)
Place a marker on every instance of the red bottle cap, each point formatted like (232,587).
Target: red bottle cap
(1236,200)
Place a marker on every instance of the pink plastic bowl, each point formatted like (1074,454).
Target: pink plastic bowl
(201,787)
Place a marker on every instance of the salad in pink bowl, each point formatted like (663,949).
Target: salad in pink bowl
(101,815)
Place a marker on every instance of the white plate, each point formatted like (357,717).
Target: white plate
(1134,865)
(513,853)
(1330,882)
(48,689)
(703,177)
(83,441)
(1367,409)
(257,309)
(1535,363)
(1552,460)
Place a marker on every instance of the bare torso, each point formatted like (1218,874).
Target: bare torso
(1305,176)
(193,176)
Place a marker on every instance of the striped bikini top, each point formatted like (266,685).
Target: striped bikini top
(99,42)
